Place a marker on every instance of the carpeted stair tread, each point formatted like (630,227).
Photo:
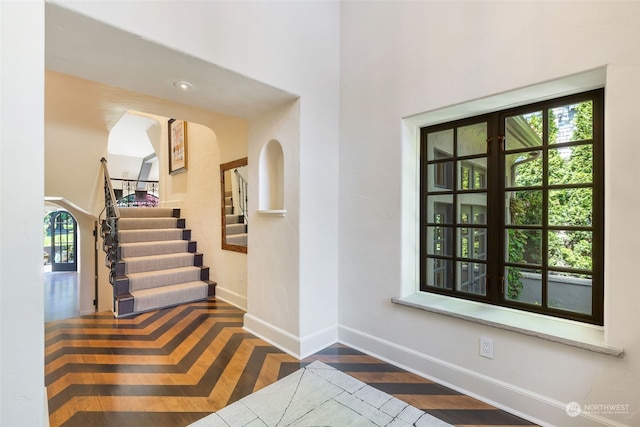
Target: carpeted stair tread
(146,212)
(233,219)
(160,234)
(151,299)
(236,229)
(146,223)
(158,265)
(157,262)
(156,279)
(238,239)
(130,250)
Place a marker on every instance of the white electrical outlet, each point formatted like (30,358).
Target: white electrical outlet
(486,347)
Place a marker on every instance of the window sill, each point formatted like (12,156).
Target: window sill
(576,334)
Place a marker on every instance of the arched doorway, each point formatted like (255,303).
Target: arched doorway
(60,241)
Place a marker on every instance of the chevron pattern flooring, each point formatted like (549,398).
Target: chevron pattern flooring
(174,366)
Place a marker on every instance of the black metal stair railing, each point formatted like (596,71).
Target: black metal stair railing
(109,226)
(136,193)
(242,194)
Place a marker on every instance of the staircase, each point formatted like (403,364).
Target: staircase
(235,226)
(155,263)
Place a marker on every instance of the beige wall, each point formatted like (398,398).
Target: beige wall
(197,193)
(76,137)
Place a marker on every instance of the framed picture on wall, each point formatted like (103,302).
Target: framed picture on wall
(177,146)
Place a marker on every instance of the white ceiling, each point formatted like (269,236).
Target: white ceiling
(129,136)
(85,48)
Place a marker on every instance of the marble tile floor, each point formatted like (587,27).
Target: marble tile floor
(319,395)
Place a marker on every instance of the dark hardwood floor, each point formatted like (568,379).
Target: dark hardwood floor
(60,294)
(174,366)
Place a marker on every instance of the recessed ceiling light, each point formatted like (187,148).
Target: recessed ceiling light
(184,85)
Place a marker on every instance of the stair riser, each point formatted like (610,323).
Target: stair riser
(125,303)
(119,269)
(124,284)
(167,278)
(121,286)
(235,229)
(149,212)
(139,236)
(157,249)
(136,265)
(198,260)
(234,219)
(170,297)
(237,239)
(149,223)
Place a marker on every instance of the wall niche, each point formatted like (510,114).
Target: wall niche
(271,180)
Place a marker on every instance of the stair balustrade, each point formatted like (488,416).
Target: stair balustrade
(109,227)
(152,261)
(136,193)
(242,194)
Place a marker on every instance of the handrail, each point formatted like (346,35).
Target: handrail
(148,181)
(109,228)
(242,194)
(110,201)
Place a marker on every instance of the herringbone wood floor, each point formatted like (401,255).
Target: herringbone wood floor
(174,366)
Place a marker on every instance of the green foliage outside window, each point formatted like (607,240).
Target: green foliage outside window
(566,206)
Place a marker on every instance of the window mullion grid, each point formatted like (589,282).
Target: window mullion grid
(495,202)
(544,256)
(598,214)
(496,227)
(424,170)
(424,278)
(455,216)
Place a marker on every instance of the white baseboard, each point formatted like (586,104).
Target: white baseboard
(280,338)
(46,409)
(289,343)
(319,340)
(531,406)
(232,298)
